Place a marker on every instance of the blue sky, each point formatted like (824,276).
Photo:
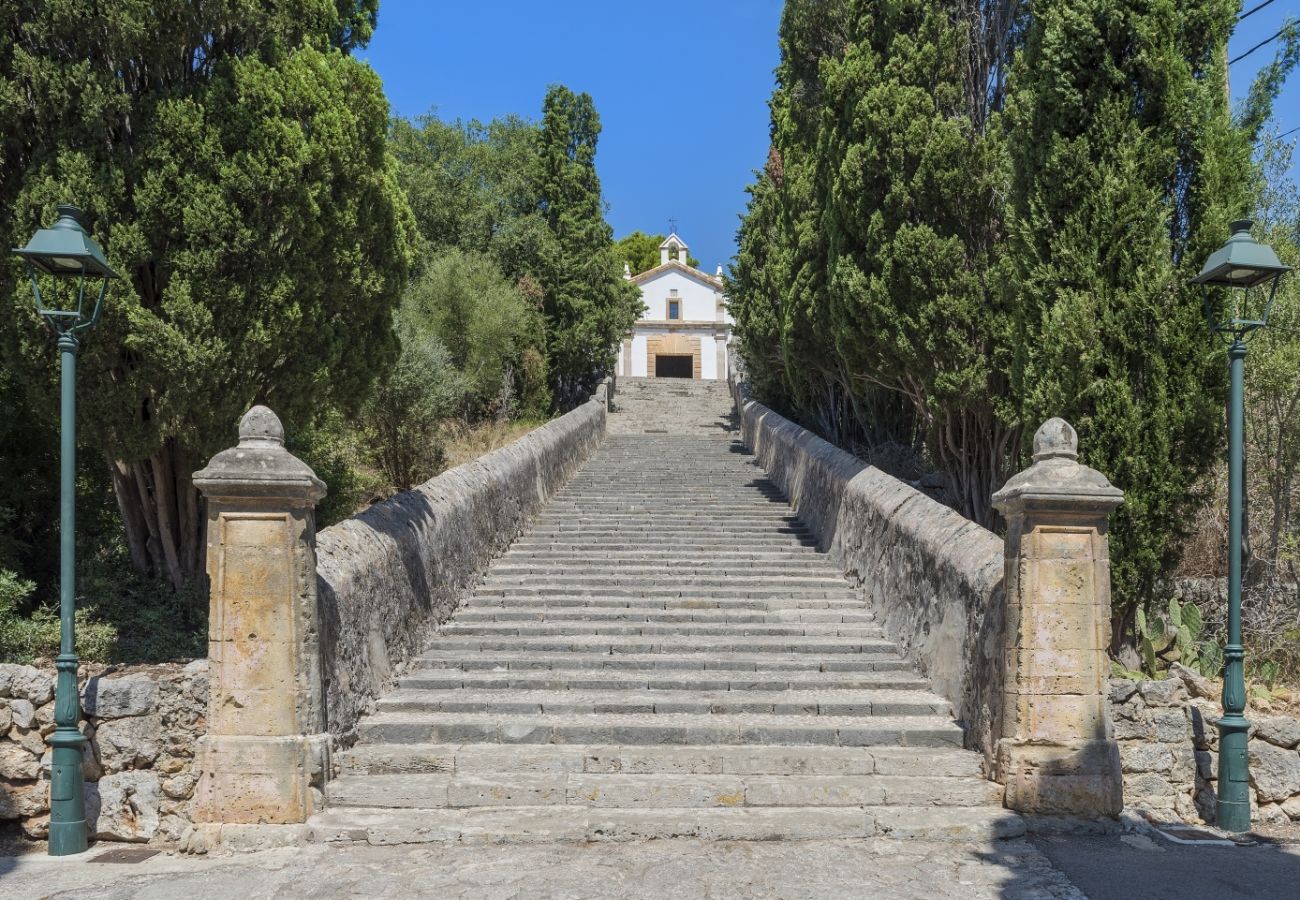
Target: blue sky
(711,61)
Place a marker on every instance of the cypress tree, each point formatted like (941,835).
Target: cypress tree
(232,160)
(587,303)
(1126,170)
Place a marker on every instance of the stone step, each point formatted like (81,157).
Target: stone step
(668,544)
(640,680)
(532,824)
(660,728)
(699,592)
(383,759)
(662,644)
(616,554)
(712,661)
(463,628)
(658,615)
(659,790)
(575,579)
(666,603)
(877,702)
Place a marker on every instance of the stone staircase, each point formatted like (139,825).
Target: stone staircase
(664,654)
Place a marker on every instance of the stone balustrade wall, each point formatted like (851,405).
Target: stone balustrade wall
(388,577)
(385,578)
(143,723)
(934,578)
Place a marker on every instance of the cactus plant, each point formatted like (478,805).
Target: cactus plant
(1176,635)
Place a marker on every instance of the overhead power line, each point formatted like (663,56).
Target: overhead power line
(1281,31)
(1292,131)
(1253,10)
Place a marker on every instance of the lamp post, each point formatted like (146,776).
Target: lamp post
(1251,271)
(67,253)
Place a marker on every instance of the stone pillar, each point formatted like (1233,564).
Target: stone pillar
(1057,754)
(265,755)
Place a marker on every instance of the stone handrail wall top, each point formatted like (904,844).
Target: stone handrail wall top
(389,576)
(934,578)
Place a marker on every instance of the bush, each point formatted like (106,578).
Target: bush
(29,633)
(406,411)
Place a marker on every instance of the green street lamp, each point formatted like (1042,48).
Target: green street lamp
(1252,270)
(67,253)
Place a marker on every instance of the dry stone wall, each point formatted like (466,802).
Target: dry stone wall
(389,576)
(934,578)
(143,724)
(1169,751)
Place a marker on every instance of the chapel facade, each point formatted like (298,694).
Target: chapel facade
(685,329)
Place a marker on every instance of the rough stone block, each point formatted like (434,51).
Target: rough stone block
(1280,731)
(1274,772)
(124,807)
(114,698)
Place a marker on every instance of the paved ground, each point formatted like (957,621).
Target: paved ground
(1131,867)
(652,869)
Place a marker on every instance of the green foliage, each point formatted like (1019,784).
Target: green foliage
(865,286)
(1177,636)
(485,325)
(232,160)
(641,251)
(470,187)
(587,304)
(994,259)
(1125,171)
(407,410)
(341,455)
(31,635)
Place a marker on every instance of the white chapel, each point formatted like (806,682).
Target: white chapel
(685,328)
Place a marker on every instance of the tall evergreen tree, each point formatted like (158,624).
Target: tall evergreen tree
(587,303)
(1126,170)
(866,259)
(231,158)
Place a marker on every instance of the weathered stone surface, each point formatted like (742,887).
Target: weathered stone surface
(1292,807)
(1197,685)
(1274,772)
(124,807)
(26,683)
(17,763)
(898,544)
(131,743)
(1121,689)
(23,712)
(389,576)
(1146,758)
(1272,814)
(1164,692)
(1280,731)
(112,698)
(6,717)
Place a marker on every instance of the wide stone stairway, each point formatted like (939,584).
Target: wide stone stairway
(664,653)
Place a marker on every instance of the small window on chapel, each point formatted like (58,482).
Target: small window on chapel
(674,309)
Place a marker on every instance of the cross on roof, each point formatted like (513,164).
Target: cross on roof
(672,225)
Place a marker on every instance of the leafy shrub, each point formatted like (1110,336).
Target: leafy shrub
(409,405)
(28,634)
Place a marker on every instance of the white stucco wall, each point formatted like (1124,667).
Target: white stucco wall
(708,357)
(639,354)
(699,300)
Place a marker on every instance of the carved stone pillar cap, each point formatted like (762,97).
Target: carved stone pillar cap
(1057,480)
(259,467)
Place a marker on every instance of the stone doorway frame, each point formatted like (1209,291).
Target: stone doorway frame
(673,345)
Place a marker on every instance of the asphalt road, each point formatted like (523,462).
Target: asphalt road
(1136,867)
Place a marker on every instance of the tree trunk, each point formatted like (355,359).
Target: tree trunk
(137,533)
(162,514)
